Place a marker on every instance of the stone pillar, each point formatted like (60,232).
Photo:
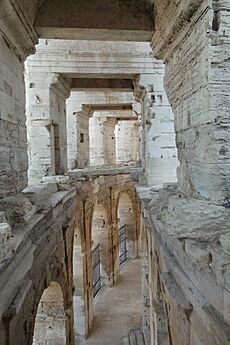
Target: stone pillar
(135,142)
(78,132)
(71,124)
(13,142)
(96,141)
(196,82)
(83,153)
(102,140)
(46,121)
(110,141)
(17,41)
(80,311)
(159,150)
(127,142)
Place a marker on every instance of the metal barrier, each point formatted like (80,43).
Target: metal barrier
(123,244)
(96,263)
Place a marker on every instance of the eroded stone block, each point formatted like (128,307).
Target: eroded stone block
(5,234)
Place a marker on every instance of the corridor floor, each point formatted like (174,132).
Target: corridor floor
(118,309)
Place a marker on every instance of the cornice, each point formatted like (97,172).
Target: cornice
(17,29)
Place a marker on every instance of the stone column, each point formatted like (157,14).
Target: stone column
(197,84)
(46,121)
(79,294)
(13,142)
(71,124)
(127,142)
(159,150)
(83,151)
(102,140)
(17,42)
(78,132)
(135,142)
(110,141)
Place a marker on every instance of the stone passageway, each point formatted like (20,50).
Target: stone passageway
(118,309)
(114,145)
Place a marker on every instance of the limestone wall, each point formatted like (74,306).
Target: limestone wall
(158,135)
(13,151)
(127,142)
(43,221)
(46,122)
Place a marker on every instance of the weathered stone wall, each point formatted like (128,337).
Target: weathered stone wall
(38,257)
(127,142)
(188,224)
(184,286)
(46,122)
(44,220)
(110,141)
(13,151)
(158,135)
(197,91)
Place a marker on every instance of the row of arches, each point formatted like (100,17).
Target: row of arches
(96,265)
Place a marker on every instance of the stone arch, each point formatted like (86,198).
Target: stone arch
(51,318)
(52,272)
(126,214)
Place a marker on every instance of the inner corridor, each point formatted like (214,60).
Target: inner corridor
(118,309)
(114,172)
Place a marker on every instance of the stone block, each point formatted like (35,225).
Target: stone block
(196,219)
(225,242)
(198,252)
(19,210)
(5,235)
(226,304)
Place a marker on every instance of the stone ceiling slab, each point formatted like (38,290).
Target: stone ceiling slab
(96,20)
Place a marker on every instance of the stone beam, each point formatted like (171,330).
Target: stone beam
(88,84)
(109,107)
(94,59)
(127,20)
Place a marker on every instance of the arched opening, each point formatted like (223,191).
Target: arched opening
(127,229)
(100,249)
(50,322)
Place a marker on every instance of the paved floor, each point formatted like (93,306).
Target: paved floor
(118,309)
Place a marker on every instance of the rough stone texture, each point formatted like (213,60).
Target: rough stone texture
(185,229)
(102,140)
(46,120)
(201,112)
(127,142)
(13,155)
(158,134)
(194,284)
(43,245)
(5,234)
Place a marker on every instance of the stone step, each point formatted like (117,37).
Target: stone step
(136,337)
